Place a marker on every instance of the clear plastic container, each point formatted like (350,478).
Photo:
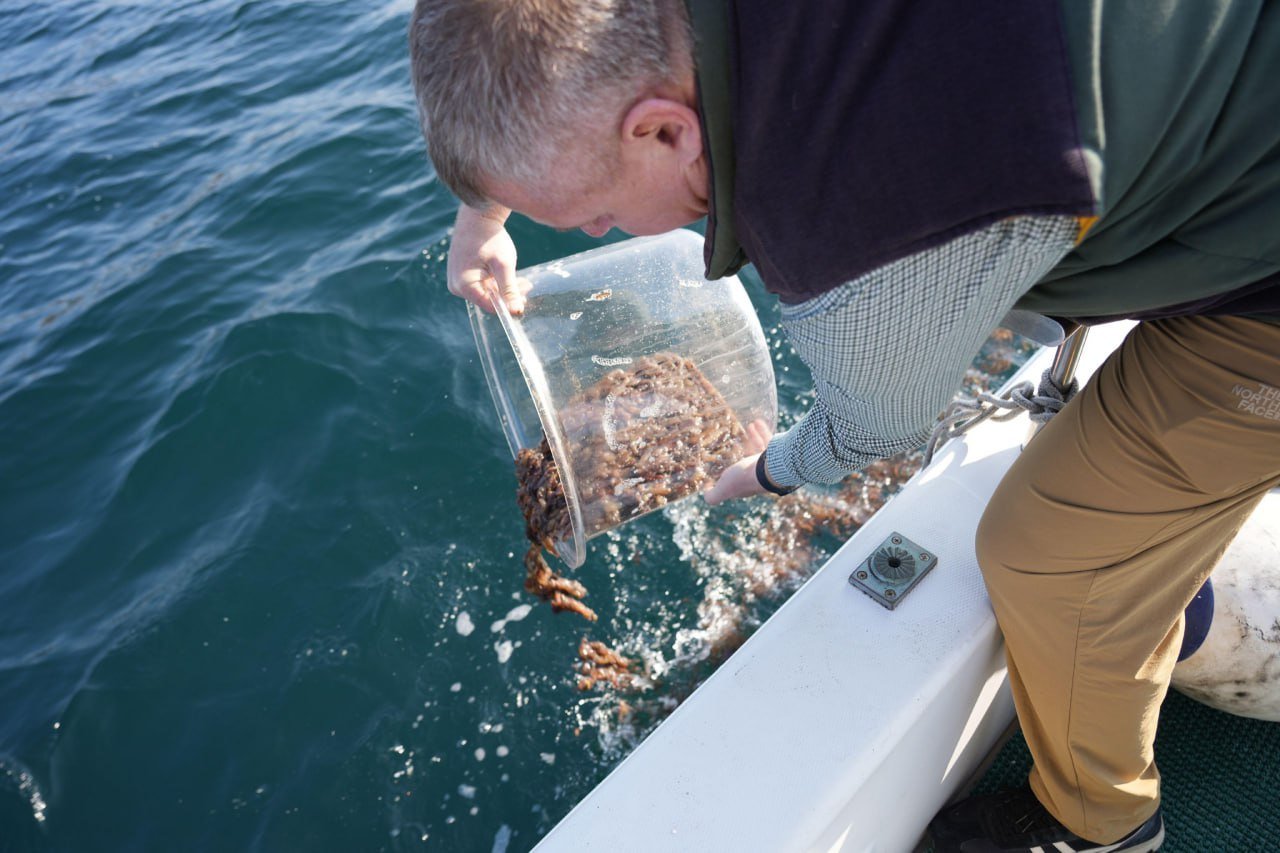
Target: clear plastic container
(641,374)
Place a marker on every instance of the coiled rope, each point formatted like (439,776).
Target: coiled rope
(965,413)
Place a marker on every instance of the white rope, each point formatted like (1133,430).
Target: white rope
(965,413)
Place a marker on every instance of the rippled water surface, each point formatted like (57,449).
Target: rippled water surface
(260,583)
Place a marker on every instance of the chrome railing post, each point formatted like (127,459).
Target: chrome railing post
(1063,369)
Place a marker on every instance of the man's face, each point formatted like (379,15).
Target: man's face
(649,187)
(634,199)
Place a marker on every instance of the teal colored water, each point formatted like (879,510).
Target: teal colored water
(252,489)
(260,586)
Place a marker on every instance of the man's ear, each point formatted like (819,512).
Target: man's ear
(669,124)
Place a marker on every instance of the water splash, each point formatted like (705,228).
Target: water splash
(746,562)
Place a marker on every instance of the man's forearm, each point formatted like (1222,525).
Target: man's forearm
(889,349)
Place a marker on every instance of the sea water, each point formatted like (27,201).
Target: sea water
(260,577)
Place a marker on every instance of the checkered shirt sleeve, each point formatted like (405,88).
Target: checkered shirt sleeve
(889,349)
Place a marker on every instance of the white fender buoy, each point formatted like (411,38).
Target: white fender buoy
(1237,668)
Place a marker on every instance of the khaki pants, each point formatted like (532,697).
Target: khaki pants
(1103,531)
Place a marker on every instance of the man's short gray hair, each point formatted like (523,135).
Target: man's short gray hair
(503,85)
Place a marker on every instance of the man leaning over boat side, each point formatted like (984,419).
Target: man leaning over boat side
(902,173)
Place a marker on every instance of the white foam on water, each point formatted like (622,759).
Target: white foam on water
(504,649)
(515,614)
(464,624)
(501,839)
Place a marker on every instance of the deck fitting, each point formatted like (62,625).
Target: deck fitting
(892,570)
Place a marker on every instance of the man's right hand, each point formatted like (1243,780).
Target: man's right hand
(482,259)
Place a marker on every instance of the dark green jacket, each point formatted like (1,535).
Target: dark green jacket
(1179,106)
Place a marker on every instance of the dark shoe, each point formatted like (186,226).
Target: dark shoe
(1014,821)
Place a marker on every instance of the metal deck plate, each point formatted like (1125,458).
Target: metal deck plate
(892,570)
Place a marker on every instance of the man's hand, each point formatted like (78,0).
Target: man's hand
(739,479)
(482,259)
